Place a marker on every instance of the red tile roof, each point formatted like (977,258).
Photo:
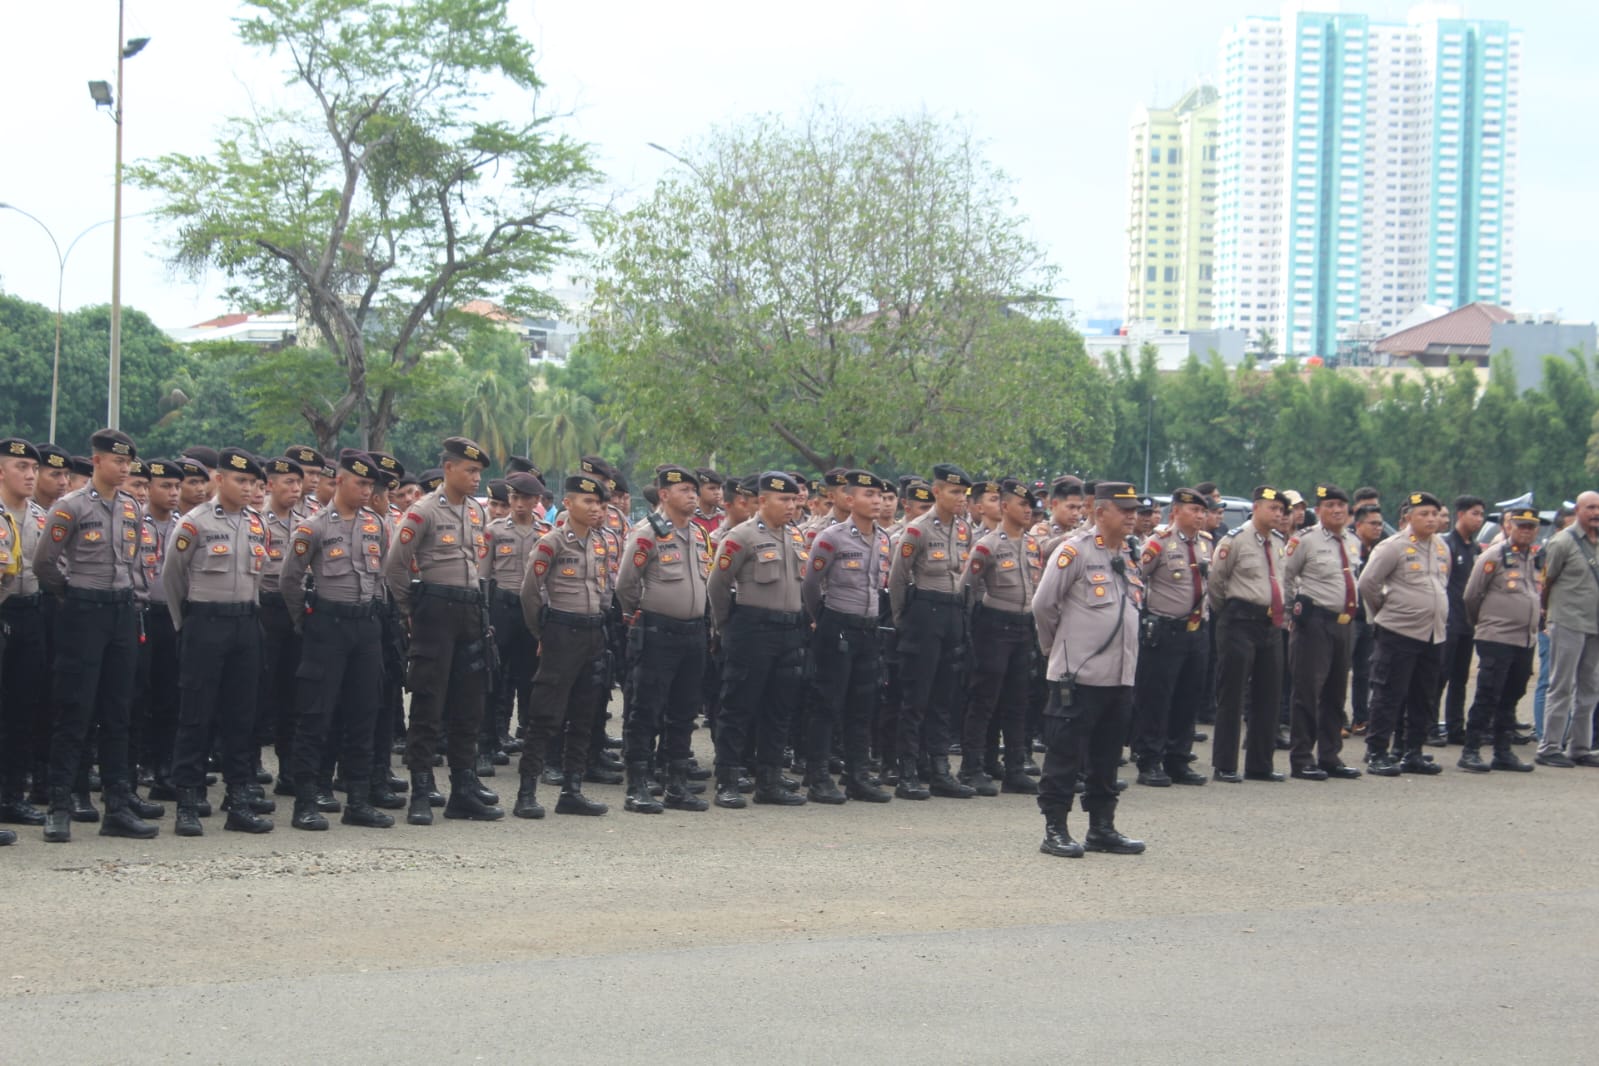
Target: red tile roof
(1470,326)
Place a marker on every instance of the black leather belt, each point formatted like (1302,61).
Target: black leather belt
(351,611)
(573,620)
(924,596)
(219,610)
(113,596)
(21,603)
(1314,610)
(1239,611)
(668,624)
(449,593)
(507,599)
(850,621)
(764,616)
(986,613)
(272,599)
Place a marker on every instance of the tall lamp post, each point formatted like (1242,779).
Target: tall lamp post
(102,95)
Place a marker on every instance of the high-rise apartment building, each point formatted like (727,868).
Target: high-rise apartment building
(1172,212)
(1366,167)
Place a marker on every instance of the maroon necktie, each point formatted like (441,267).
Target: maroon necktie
(1276,589)
(1350,602)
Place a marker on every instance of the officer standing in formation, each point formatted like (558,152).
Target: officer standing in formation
(1503,604)
(510,543)
(24,657)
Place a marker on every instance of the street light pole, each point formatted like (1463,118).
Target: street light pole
(113,416)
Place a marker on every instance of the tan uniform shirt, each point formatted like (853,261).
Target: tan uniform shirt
(1503,597)
(665,575)
(847,571)
(215,557)
(1246,567)
(344,558)
(92,543)
(765,566)
(510,548)
(19,540)
(1170,565)
(1315,567)
(569,573)
(1405,586)
(279,533)
(1003,571)
(154,537)
(440,543)
(1079,603)
(931,556)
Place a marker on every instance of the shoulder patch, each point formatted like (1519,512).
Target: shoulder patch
(823,544)
(412,516)
(914,531)
(1154,547)
(1067,554)
(983,549)
(907,549)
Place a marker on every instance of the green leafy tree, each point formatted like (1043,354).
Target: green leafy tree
(386,196)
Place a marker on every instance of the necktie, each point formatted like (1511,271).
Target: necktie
(1350,602)
(1276,589)
(1197,614)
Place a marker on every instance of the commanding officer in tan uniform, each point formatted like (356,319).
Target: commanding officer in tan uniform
(211,579)
(1246,595)
(440,542)
(565,594)
(1086,606)
(510,551)
(999,580)
(341,667)
(1319,573)
(1174,644)
(762,639)
(1503,603)
(1405,589)
(842,593)
(930,621)
(89,560)
(661,591)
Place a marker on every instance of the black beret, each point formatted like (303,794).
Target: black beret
(239,461)
(136,469)
(358,463)
(1266,492)
(284,465)
(1017,488)
(1189,496)
(1121,493)
(388,464)
(983,487)
(1326,492)
(499,491)
(206,457)
(919,491)
(863,479)
(521,464)
(163,468)
(17,448)
(1423,499)
(593,464)
(834,478)
(114,441)
(667,476)
(82,466)
(387,481)
(815,484)
(189,467)
(751,486)
(306,456)
(410,479)
(464,448)
(704,475)
(54,456)
(588,486)
(776,481)
(431,479)
(951,474)
(524,483)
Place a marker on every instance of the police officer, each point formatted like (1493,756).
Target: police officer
(1502,604)
(1174,643)
(1320,573)
(1086,607)
(999,580)
(1405,589)
(1368,530)
(661,591)
(24,663)
(1246,595)
(340,671)
(930,622)
(1461,540)
(211,581)
(841,594)
(441,541)
(565,594)
(280,644)
(510,549)
(159,653)
(89,560)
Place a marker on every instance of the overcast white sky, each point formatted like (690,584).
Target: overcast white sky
(1049,85)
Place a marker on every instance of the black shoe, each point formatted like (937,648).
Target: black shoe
(251,803)
(326,801)
(1186,775)
(639,798)
(144,808)
(728,794)
(1119,785)
(1505,759)
(1554,758)
(305,815)
(1382,764)
(163,789)
(607,760)
(420,810)
(382,794)
(1340,771)
(696,772)
(1031,768)
(551,775)
(261,776)
(501,757)
(188,819)
(7,838)
(1588,759)
(680,794)
(980,782)
(358,809)
(1308,773)
(120,819)
(1471,759)
(1017,781)
(1199,737)
(20,812)
(910,786)
(283,787)
(821,788)
(466,801)
(858,786)
(484,766)
(1102,836)
(1413,763)
(1154,777)
(599,775)
(612,743)
(242,817)
(573,801)
(769,789)
(1437,737)
(1264,775)
(1231,777)
(84,810)
(58,820)
(527,801)
(1058,842)
(1284,742)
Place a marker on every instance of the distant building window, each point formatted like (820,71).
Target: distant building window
(1171,155)
(1149,275)
(1171,274)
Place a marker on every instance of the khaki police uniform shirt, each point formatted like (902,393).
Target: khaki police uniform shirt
(1405,586)
(154,538)
(279,532)
(765,566)
(847,571)
(571,574)
(931,556)
(1240,570)
(344,558)
(215,557)
(1078,605)
(92,538)
(510,548)
(1503,596)
(20,533)
(665,575)
(1169,576)
(440,542)
(1315,568)
(1003,571)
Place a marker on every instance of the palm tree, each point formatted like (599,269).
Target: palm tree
(562,427)
(492,416)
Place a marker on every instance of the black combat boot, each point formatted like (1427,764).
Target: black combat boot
(381,792)
(120,818)
(527,800)
(261,775)
(975,776)
(1017,781)
(639,798)
(188,822)
(600,774)
(858,786)
(83,808)
(487,796)
(1505,756)
(910,786)
(284,785)
(16,810)
(7,838)
(1057,841)
(421,808)
(679,791)
(1471,755)
(727,792)
(306,816)
(821,788)
(58,820)
(1102,836)
(485,759)
(242,817)
(251,802)
(466,799)
(358,809)
(144,808)
(769,788)
(1415,763)
(573,801)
